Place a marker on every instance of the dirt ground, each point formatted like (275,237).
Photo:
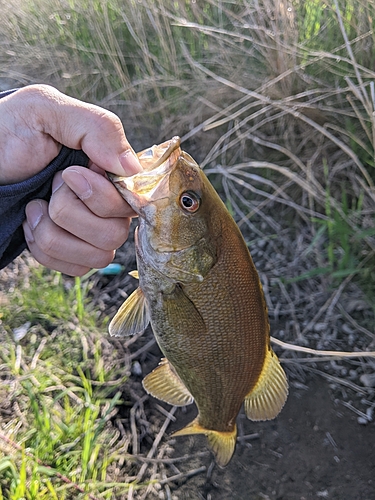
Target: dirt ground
(314,449)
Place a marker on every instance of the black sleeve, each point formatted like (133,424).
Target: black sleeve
(14,198)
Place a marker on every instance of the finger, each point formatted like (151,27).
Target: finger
(98,132)
(51,245)
(97,192)
(58,265)
(72,214)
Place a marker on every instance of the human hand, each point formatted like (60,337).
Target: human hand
(81,226)
(86,218)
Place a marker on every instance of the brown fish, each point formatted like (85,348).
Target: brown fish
(201,292)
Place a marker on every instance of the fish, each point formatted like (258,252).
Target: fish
(201,293)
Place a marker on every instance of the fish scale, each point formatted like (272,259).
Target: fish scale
(199,289)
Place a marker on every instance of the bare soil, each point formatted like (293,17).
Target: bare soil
(314,449)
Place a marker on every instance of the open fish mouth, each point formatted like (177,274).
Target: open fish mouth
(153,182)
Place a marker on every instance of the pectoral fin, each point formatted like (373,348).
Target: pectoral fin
(164,383)
(132,317)
(267,398)
(221,443)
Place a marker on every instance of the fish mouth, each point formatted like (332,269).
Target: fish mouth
(153,182)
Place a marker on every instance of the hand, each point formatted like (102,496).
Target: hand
(86,219)
(84,222)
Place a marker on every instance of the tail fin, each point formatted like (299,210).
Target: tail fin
(221,443)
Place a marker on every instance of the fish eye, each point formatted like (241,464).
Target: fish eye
(190,202)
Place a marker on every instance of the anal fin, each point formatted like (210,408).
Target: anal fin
(221,443)
(267,398)
(164,383)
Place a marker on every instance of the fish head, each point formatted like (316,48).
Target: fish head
(168,196)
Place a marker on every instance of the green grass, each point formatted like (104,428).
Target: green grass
(46,297)
(66,396)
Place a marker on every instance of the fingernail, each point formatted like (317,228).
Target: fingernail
(34,213)
(130,163)
(78,183)
(29,237)
(57,182)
